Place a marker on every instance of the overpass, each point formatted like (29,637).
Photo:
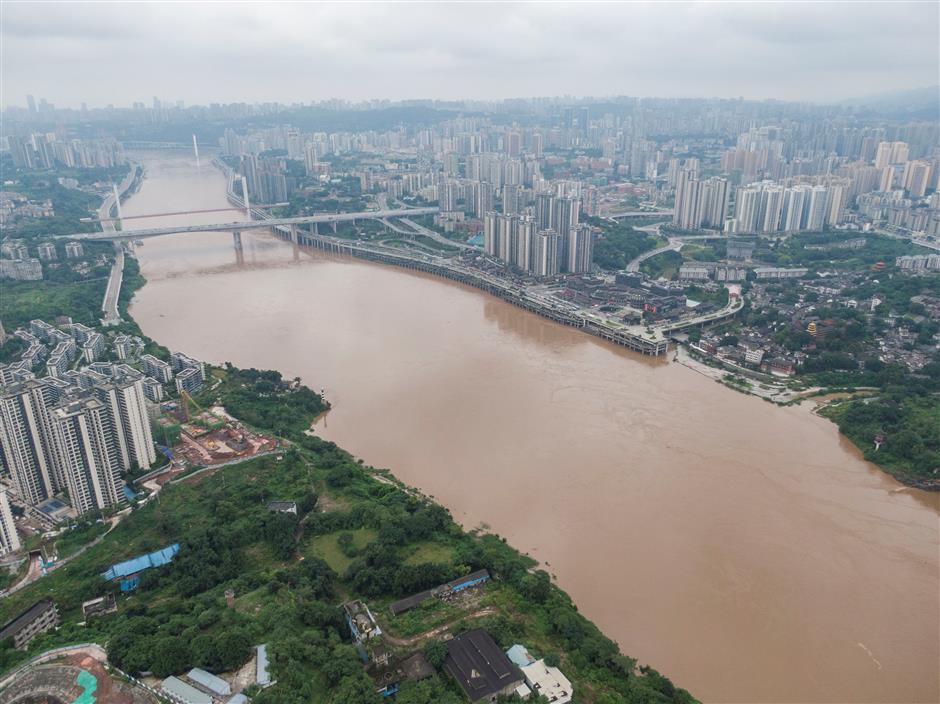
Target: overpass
(239,226)
(641,214)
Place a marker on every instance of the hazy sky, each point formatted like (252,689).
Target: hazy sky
(212,52)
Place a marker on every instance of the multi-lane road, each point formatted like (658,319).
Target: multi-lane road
(109,306)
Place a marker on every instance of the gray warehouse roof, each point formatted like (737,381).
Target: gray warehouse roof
(209,681)
(182,692)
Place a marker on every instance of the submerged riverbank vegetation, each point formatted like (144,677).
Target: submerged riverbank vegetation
(898,430)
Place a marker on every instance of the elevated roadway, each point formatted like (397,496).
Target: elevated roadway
(641,214)
(431,234)
(109,306)
(240,226)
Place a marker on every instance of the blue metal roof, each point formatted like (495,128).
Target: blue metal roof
(158,558)
(520,655)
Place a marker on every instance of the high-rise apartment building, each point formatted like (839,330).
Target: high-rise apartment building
(545,261)
(86,445)
(9,540)
(26,434)
(125,400)
(916,175)
(688,197)
(890,153)
(698,203)
(769,207)
(580,249)
(490,234)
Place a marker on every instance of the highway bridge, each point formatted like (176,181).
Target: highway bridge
(641,214)
(239,226)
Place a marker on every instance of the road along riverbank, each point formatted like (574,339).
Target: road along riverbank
(742,548)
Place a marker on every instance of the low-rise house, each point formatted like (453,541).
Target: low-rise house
(541,679)
(207,680)
(40,617)
(444,591)
(100,606)
(481,669)
(282,507)
(362,624)
(179,692)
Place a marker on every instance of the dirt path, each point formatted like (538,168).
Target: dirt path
(488,611)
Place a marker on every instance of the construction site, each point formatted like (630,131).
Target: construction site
(208,436)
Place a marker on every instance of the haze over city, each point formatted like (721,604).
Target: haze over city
(469,352)
(119,53)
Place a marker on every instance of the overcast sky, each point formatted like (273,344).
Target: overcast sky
(203,52)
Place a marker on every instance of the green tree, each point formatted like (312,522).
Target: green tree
(435,652)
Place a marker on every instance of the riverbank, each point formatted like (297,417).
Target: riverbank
(784,392)
(522,605)
(591,440)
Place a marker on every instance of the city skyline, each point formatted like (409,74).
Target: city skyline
(303,53)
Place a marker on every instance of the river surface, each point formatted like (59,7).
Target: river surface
(744,550)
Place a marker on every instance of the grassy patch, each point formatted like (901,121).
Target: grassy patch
(429,551)
(327,547)
(68,543)
(431,614)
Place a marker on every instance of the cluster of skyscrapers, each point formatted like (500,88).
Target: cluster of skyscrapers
(267,178)
(700,203)
(545,241)
(77,435)
(42,150)
(78,431)
(802,202)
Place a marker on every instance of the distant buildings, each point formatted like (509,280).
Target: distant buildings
(29,269)
(768,207)
(776,272)
(85,441)
(47,251)
(890,153)
(74,250)
(45,151)
(700,204)
(919,262)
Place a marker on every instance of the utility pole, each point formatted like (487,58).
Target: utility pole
(196,151)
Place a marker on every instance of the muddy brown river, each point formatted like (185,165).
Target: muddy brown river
(744,550)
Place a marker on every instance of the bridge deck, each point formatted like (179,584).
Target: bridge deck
(249,224)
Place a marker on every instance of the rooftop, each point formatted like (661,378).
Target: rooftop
(479,666)
(183,692)
(209,681)
(158,558)
(20,622)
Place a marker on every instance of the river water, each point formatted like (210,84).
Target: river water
(744,550)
